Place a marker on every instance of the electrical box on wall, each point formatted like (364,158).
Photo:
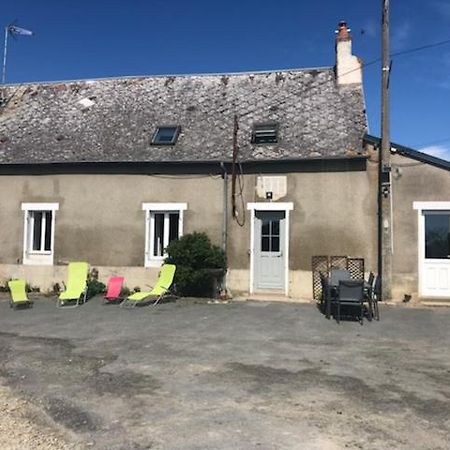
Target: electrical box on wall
(271,188)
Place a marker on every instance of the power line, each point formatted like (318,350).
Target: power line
(401,53)
(423,47)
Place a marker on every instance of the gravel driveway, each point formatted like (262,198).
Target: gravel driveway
(248,375)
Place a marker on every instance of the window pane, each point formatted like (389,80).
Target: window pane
(265,244)
(173,226)
(165,135)
(265,227)
(437,236)
(158,238)
(48,230)
(276,227)
(275,244)
(37,230)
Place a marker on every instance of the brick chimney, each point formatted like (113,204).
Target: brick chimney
(348,66)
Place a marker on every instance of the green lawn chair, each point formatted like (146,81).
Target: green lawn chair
(18,294)
(76,288)
(160,289)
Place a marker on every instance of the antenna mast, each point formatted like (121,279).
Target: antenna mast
(5,52)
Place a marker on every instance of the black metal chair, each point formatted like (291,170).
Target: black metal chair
(351,293)
(376,295)
(326,293)
(337,275)
(368,290)
(370,279)
(323,283)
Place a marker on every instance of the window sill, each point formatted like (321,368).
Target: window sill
(38,259)
(155,262)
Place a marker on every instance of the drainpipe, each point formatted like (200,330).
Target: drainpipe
(225,219)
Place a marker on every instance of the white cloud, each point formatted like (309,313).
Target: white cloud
(400,35)
(444,84)
(440,151)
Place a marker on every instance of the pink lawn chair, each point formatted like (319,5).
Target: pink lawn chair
(113,290)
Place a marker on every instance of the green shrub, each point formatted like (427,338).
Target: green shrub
(125,291)
(29,288)
(4,287)
(95,287)
(198,263)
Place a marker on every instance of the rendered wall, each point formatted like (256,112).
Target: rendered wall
(412,181)
(334,214)
(100,220)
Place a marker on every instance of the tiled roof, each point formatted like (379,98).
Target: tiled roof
(114,119)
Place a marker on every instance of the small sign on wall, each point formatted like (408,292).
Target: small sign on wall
(271,188)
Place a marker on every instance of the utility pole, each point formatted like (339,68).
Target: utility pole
(385,191)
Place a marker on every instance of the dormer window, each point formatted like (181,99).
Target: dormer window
(265,133)
(166,135)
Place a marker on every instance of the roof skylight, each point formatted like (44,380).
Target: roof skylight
(166,135)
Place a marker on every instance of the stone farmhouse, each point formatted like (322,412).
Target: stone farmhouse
(274,166)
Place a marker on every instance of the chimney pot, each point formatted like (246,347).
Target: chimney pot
(343,32)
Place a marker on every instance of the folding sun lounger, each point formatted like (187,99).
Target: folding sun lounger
(76,289)
(18,294)
(161,288)
(113,290)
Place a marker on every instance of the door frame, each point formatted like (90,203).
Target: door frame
(420,207)
(272,206)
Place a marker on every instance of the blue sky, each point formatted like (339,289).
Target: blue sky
(90,39)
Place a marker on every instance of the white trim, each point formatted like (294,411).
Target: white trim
(40,206)
(286,259)
(164,206)
(421,207)
(147,238)
(438,206)
(252,249)
(38,257)
(420,250)
(149,259)
(272,206)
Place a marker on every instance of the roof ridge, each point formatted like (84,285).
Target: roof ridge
(180,75)
(411,152)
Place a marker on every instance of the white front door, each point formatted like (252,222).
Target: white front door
(268,247)
(434,253)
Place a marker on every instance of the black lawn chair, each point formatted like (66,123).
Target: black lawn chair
(351,293)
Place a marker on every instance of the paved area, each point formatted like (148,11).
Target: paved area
(252,375)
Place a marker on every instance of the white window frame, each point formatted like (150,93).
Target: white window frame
(150,210)
(38,257)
